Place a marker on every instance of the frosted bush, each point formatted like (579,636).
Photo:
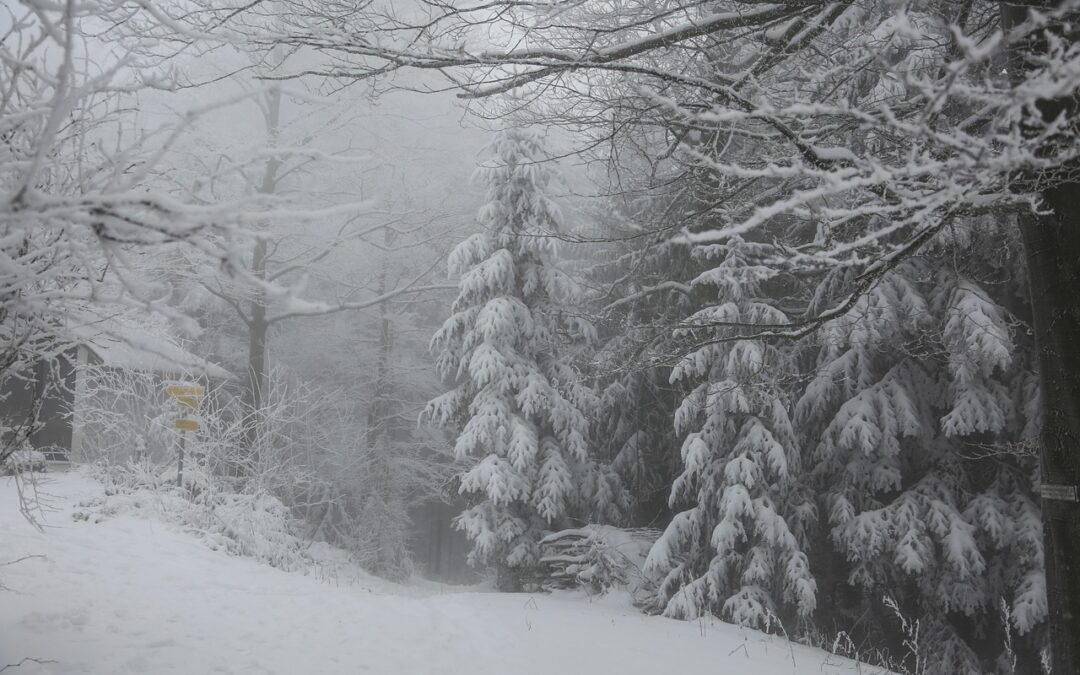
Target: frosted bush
(251,524)
(598,558)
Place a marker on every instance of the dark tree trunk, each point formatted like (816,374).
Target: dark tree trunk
(1052,245)
(1052,249)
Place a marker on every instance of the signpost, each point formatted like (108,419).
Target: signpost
(188,401)
(188,396)
(178,390)
(1064,493)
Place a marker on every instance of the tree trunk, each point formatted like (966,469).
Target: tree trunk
(258,325)
(258,330)
(1052,249)
(1052,246)
(380,430)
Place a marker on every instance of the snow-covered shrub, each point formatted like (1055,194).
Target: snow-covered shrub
(255,524)
(597,558)
(26,459)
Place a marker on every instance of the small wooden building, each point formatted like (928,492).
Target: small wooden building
(57,386)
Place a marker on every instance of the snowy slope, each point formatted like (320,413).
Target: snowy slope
(134,595)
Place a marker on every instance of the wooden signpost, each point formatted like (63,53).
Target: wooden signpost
(188,395)
(187,425)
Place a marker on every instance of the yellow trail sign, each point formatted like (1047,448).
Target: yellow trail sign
(187,425)
(188,401)
(185,390)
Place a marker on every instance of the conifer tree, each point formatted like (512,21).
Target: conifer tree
(917,404)
(738,548)
(507,350)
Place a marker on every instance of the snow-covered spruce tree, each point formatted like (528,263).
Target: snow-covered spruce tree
(738,548)
(918,407)
(507,349)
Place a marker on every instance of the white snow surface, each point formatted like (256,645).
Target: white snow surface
(132,594)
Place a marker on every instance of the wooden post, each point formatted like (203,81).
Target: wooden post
(180,462)
(1052,249)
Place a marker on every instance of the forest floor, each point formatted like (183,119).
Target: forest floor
(133,594)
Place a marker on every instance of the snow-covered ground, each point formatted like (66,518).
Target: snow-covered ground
(135,595)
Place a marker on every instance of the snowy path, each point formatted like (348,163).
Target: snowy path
(132,595)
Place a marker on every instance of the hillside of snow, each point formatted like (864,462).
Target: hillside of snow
(132,594)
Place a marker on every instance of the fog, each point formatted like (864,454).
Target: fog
(605,336)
